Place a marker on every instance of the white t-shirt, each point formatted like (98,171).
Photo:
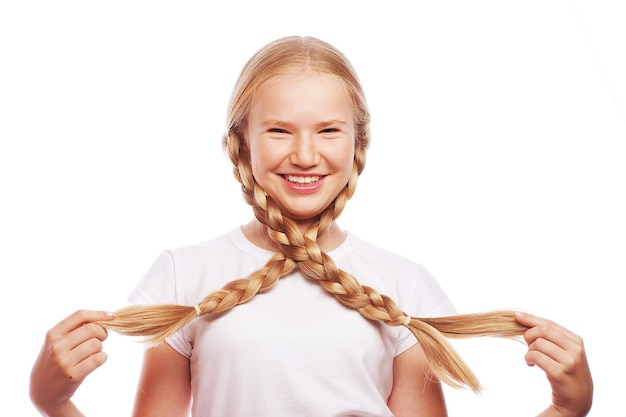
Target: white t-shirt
(294,350)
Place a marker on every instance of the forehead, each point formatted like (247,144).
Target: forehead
(297,87)
(298,74)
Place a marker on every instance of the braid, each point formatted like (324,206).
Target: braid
(315,264)
(161,321)
(301,249)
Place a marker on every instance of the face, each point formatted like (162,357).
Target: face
(301,137)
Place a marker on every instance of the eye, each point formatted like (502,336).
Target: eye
(277,130)
(330,130)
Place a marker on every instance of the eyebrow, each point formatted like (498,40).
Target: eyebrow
(282,123)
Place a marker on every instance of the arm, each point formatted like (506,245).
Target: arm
(165,384)
(561,355)
(71,351)
(416,391)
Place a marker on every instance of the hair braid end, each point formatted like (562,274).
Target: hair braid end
(156,322)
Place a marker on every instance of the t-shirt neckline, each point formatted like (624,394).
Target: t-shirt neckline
(242,243)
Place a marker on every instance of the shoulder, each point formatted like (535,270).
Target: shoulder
(216,246)
(409,282)
(232,244)
(377,258)
(183,273)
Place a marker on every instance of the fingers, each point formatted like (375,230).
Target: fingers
(75,338)
(79,318)
(85,358)
(72,350)
(560,353)
(536,322)
(78,344)
(548,338)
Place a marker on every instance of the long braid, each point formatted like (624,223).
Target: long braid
(157,322)
(298,249)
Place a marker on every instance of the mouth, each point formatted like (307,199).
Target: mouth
(302,180)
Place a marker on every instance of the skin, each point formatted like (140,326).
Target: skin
(71,351)
(164,387)
(416,392)
(561,355)
(300,125)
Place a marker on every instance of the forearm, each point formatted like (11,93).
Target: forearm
(551,411)
(68,409)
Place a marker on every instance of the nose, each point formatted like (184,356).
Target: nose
(305,152)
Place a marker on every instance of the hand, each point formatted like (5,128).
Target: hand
(71,351)
(561,355)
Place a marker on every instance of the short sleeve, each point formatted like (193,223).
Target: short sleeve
(158,285)
(428,300)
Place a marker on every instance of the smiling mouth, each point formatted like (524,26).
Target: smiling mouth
(303,180)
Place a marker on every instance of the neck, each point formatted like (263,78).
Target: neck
(256,232)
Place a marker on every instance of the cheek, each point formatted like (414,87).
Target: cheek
(256,167)
(347,157)
(260,163)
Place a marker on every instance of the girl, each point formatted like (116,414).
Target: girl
(298,130)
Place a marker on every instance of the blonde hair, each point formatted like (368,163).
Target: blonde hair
(300,250)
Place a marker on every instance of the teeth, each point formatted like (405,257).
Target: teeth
(303,180)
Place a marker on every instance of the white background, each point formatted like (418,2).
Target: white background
(498,161)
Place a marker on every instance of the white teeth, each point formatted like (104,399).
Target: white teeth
(302,180)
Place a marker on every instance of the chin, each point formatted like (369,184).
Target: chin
(306,216)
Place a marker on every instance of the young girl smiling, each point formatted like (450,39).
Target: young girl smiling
(240,343)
